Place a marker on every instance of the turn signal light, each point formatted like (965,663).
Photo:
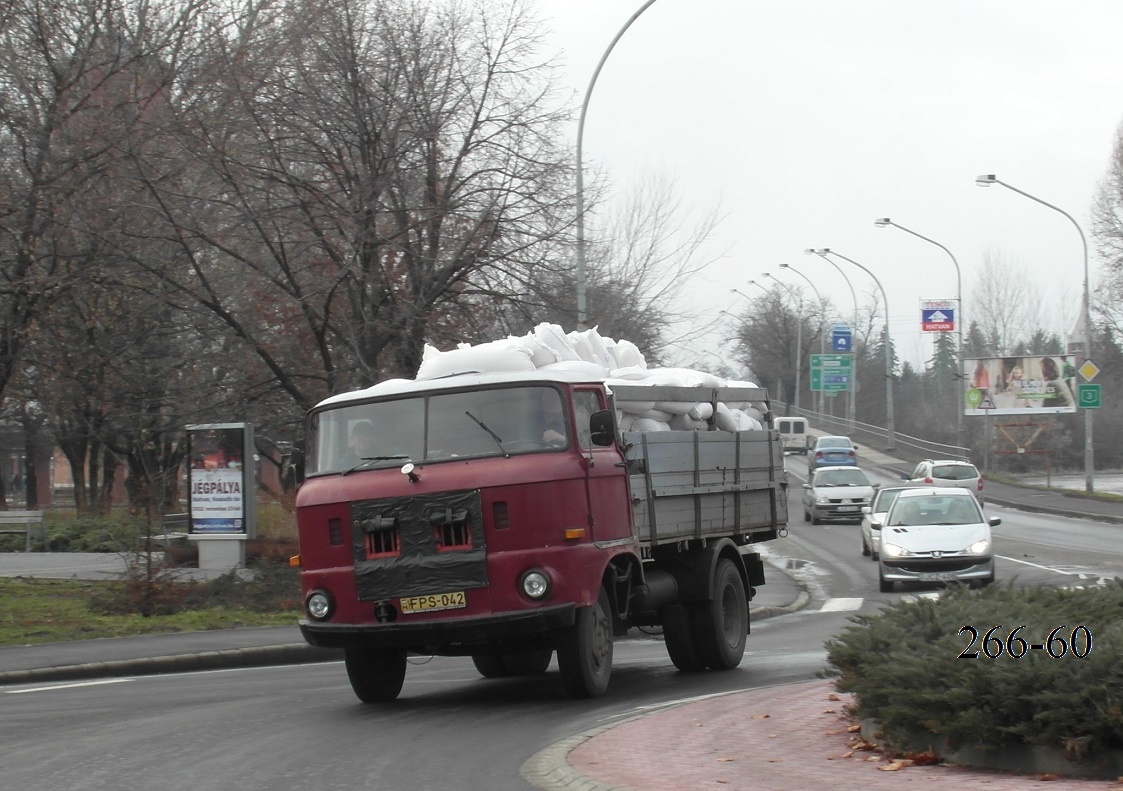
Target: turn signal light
(294,561)
(574,533)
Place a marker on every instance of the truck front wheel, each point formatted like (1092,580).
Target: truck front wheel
(721,625)
(585,650)
(376,674)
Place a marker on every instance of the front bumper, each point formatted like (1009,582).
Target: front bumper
(838,512)
(453,637)
(944,569)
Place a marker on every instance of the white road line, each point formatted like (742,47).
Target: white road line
(1039,566)
(67,686)
(841,605)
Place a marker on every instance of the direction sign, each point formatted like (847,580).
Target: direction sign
(1088,396)
(841,339)
(831,372)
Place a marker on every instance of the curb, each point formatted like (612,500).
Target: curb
(260,656)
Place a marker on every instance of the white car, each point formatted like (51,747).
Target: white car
(836,494)
(872,515)
(936,535)
(947,472)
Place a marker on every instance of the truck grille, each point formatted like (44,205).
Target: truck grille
(415,546)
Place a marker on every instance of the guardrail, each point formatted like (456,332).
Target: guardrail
(906,447)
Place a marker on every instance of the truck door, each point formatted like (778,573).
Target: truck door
(610,509)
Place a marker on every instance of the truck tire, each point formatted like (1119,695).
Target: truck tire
(528,663)
(678,635)
(376,674)
(490,665)
(585,650)
(721,625)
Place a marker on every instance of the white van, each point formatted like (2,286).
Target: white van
(793,433)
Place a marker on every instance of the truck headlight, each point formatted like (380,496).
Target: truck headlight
(319,605)
(535,584)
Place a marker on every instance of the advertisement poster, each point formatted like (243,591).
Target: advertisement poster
(1031,385)
(216,478)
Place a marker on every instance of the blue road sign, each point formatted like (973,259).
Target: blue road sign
(840,339)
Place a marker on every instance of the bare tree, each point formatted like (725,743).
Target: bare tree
(1107,235)
(1006,306)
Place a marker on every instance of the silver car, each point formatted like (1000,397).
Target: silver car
(836,494)
(872,515)
(936,535)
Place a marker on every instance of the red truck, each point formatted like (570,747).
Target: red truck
(504,517)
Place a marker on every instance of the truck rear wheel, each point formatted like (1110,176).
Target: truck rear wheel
(721,625)
(376,674)
(490,665)
(585,650)
(678,635)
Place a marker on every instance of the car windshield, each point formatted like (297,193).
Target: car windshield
(884,500)
(436,426)
(954,472)
(935,510)
(841,478)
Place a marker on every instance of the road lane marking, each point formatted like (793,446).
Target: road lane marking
(67,686)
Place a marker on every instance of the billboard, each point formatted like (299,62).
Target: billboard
(1028,385)
(221,479)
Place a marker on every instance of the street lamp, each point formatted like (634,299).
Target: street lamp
(853,391)
(798,340)
(1089,458)
(581,176)
(889,428)
(959,377)
(822,322)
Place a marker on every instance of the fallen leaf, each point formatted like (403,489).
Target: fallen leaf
(833,696)
(854,728)
(761,716)
(896,766)
(834,733)
(829,711)
(725,760)
(1048,776)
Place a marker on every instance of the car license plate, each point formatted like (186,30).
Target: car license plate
(938,576)
(848,508)
(432,602)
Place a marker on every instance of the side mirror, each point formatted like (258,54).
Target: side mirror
(877,486)
(602,428)
(994,521)
(806,486)
(292,475)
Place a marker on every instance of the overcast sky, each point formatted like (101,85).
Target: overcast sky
(808,119)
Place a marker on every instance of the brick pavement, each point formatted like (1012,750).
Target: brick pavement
(793,737)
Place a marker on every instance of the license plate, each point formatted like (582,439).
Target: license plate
(432,602)
(938,576)
(848,508)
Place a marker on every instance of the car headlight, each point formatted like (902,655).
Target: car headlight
(979,547)
(822,499)
(892,550)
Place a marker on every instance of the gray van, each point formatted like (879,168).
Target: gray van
(793,433)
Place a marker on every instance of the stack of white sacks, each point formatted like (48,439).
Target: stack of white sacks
(549,348)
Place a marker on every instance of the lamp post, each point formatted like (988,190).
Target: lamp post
(853,392)
(890,434)
(580,174)
(1089,458)
(798,340)
(959,376)
(823,314)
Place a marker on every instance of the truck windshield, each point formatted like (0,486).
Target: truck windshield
(435,427)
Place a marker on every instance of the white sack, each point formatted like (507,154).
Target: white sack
(555,338)
(591,370)
(505,355)
(628,355)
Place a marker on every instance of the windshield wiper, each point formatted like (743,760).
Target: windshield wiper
(366,459)
(492,434)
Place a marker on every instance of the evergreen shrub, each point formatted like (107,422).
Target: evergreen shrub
(904,668)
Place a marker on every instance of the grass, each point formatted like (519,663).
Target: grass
(34,610)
